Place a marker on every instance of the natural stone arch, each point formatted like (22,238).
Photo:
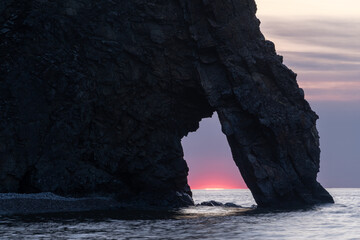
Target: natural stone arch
(95,97)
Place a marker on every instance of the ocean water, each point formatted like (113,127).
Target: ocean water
(339,221)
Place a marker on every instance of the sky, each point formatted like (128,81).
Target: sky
(320,41)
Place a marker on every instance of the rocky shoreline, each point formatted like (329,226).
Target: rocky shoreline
(44,203)
(23,204)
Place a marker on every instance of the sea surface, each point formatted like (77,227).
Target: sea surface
(339,221)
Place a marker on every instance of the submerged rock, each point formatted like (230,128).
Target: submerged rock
(232,205)
(95,97)
(212,203)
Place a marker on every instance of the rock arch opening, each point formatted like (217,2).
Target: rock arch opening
(209,158)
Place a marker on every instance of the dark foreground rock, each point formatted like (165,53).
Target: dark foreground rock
(212,203)
(95,97)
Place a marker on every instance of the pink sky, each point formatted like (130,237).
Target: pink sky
(319,40)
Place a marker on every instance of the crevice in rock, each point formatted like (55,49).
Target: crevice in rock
(25,184)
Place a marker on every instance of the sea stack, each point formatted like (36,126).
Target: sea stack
(95,97)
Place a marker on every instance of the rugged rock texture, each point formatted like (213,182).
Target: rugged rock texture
(95,97)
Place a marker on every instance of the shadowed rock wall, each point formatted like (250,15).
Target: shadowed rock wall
(95,97)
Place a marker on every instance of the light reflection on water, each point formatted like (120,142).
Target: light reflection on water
(332,221)
(204,211)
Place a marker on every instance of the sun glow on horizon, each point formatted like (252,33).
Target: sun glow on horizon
(215,184)
(215,189)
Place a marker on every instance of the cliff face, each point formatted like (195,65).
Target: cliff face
(95,97)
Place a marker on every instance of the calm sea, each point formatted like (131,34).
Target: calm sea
(337,221)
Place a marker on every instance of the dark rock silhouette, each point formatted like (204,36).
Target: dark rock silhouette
(233,205)
(211,203)
(95,97)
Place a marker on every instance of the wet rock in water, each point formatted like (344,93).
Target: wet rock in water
(212,203)
(232,205)
(95,97)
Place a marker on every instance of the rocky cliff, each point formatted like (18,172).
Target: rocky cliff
(95,97)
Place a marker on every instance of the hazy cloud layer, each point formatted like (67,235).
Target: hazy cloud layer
(333,33)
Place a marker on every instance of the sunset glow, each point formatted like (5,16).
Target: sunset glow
(222,182)
(220,173)
(210,162)
(214,189)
